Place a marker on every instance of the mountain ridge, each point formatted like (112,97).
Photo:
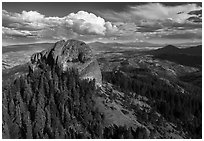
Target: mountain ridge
(191,56)
(170,49)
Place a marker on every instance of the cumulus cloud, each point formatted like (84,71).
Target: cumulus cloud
(31,16)
(110,27)
(81,22)
(39,26)
(88,23)
(30,20)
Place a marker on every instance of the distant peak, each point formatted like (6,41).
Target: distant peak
(170,46)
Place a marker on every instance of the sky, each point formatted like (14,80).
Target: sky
(160,23)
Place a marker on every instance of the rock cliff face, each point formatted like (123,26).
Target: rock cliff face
(70,54)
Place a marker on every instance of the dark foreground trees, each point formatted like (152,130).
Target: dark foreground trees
(49,103)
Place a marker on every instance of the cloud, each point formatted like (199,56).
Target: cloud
(113,16)
(88,23)
(31,16)
(137,22)
(110,27)
(15,33)
(30,20)
(39,26)
(188,34)
(153,16)
(174,34)
(158,11)
(81,22)
(183,36)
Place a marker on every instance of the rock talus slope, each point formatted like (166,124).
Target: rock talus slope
(71,54)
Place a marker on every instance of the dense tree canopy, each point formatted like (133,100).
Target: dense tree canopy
(183,109)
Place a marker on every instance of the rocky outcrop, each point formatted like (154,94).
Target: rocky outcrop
(70,54)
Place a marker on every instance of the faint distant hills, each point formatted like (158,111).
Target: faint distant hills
(95,46)
(114,46)
(127,44)
(191,56)
(23,47)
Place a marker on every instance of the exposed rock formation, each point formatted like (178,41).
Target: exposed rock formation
(70,54)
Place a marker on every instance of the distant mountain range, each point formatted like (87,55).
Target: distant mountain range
(191,56)
(23,47)
(114,46)
(170,49)
(128,44)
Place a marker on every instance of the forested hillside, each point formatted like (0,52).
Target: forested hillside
(49,103)
(183,109)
